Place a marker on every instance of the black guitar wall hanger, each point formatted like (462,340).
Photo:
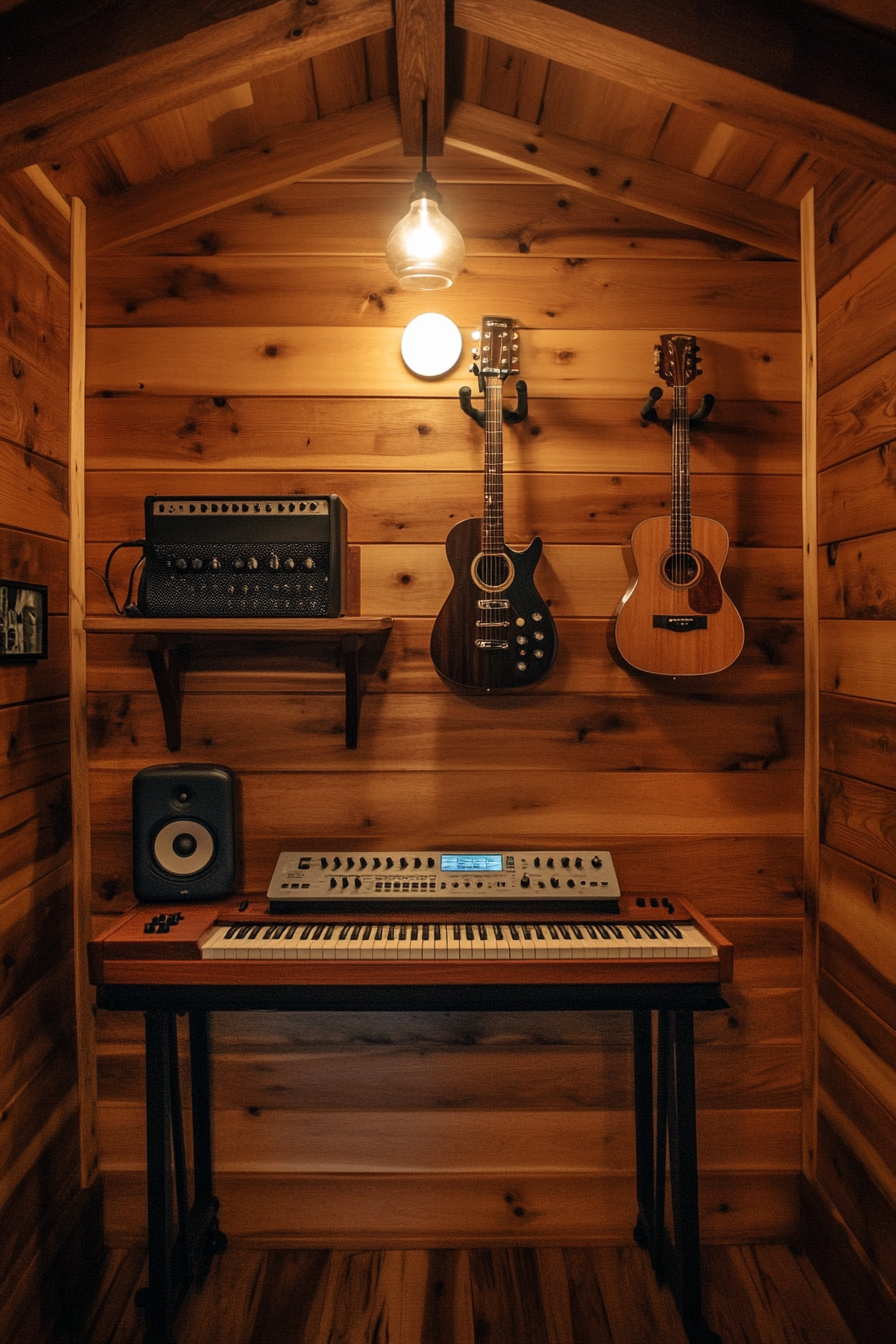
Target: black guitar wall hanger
(510,417)
(650,417)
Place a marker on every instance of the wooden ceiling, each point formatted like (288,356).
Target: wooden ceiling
(715,114)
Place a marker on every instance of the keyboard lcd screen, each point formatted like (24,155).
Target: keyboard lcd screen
(472,863)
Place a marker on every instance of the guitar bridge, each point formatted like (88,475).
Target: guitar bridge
(493,604)
(493,625)
(492,644)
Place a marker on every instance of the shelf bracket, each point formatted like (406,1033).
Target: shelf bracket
(166,666)
(351,666)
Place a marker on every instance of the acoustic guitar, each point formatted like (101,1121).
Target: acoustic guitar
(494,632)
(676,618)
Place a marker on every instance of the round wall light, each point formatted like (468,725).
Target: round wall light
(431,345)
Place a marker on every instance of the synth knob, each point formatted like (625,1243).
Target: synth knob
(337,862)
(376,863)
(252,563)
(579,862)
(564,863)
(308,562)
(196,562)
(349,863)
(214,563)
(537,861)
(402,863)
(570,881)
(596,862)
(524,881)
(274,562)
(389,863)
(357,884)
(555,881)
(430,863)
(180,562)
(344,883)
(334,882)
(417,863)
(362,863)
(289,563)
(323,863)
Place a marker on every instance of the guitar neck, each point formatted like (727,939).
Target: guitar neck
(681,472)
(493,501)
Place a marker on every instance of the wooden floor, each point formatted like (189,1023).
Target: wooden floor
(603,1295)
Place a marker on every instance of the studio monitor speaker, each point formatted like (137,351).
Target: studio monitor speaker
(184,824)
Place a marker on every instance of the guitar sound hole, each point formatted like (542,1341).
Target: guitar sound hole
(492,571)
(681,569)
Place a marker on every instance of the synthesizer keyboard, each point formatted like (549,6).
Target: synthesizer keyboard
(650,940)
(304,880)
(463,941)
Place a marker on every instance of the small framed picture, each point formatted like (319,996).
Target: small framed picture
(23,621)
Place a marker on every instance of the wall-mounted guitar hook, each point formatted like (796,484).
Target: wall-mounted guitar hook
(650,417)
(510,417)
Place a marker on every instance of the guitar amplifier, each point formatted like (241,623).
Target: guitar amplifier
(244,555)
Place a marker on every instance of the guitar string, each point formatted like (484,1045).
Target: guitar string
(681,492)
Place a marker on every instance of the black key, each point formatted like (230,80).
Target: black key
(244,930)
(254,931)
(344,932)
(291,933)
(232,932)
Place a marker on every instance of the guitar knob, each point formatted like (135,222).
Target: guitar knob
(539,634)
(521,667)
(536,615)
(522,639)
(539,653)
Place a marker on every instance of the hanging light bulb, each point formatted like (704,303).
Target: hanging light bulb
(425,250)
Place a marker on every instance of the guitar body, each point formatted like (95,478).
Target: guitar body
(673,627)
(515,612)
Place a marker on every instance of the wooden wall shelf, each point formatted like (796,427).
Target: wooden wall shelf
(166,642)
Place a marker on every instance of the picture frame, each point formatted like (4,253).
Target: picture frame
(23,622)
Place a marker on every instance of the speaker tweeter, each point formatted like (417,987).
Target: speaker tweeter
(184,826)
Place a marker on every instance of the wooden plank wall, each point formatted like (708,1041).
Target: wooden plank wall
(854,1202)
(258,349)
(48,1229)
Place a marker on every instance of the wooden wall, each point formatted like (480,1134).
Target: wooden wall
(48,1229)
(258,349)
(854,1201)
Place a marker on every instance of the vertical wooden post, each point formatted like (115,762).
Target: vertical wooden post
(810,625)
(81,880)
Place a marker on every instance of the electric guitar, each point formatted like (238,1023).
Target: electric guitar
(494,632)
(676,619)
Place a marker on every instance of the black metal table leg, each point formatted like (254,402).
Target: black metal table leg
(206,1236)
(658,1243)
(159,1297)
(642,1032)
(683,1167)
(183,1266)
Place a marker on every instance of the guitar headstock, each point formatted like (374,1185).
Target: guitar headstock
(676,359)
(500,348)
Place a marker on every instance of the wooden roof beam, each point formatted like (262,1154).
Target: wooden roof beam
(420,40)
(650,186)
(167,57)
(287,156)
(789,72)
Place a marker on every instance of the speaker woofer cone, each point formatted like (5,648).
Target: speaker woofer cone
(173,852)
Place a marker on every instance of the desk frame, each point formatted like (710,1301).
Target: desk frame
(665,1113)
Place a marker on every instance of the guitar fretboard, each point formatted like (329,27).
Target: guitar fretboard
(493,501)
(681,474)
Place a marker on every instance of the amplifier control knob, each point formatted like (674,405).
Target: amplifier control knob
(251,563)
(274,562)
(309,563)
(196,562)
(550,863)
(239,564)
(289,564)
(180,562)
(214,563)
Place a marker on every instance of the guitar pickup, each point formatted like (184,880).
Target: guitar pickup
(493,604)
(493,625)
(492,644)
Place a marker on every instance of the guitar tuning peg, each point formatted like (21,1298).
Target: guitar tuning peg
(474,335)
(475,353)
